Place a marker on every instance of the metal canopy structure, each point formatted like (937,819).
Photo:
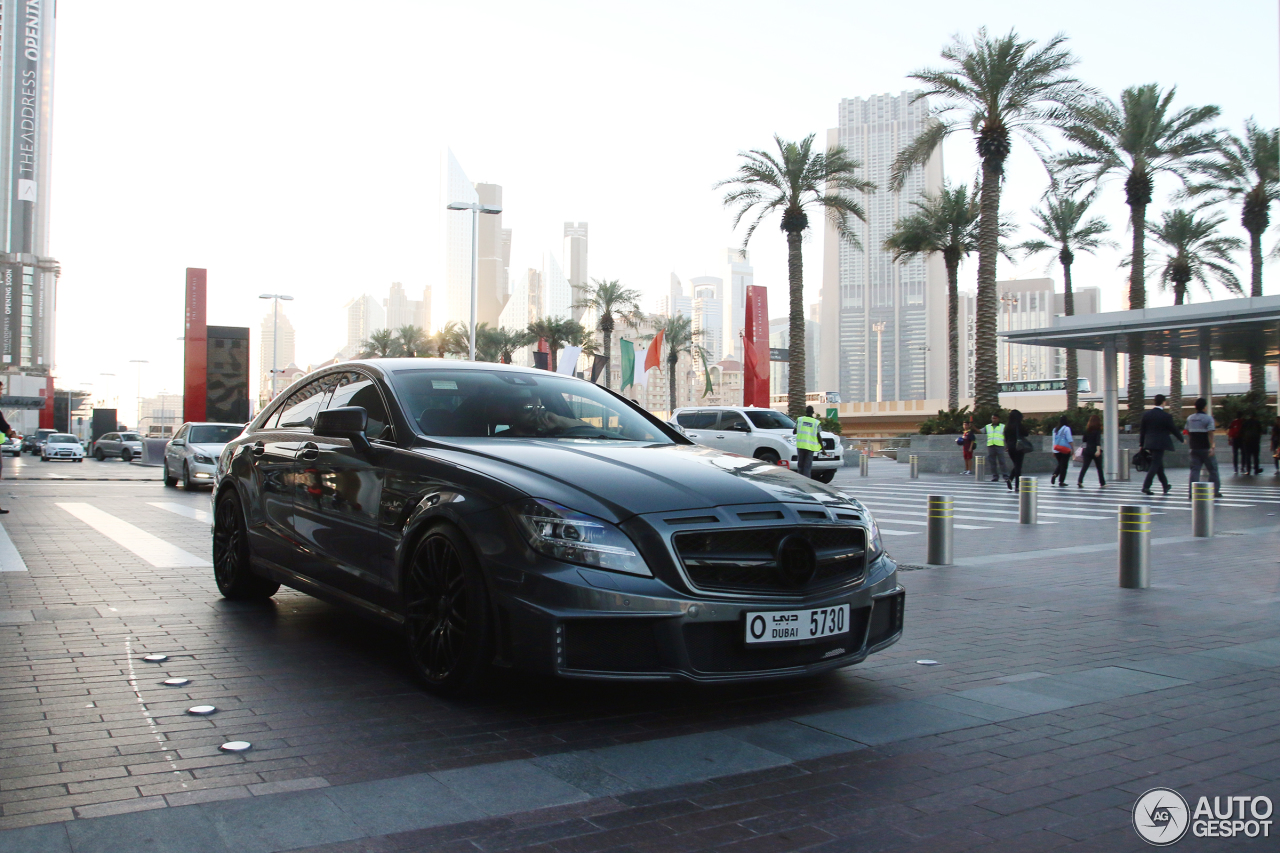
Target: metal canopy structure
(1236,330)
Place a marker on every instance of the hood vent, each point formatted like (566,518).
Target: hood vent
(693,519)
(762,515)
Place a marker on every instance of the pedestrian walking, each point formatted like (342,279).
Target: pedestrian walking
(1200,441)
(1063,445)
(1275,445)
(995,433)
(808,441)
(966,441)
(1250,444)
(1156,434)
(1233,439)
(8,433)
(1018,443)
(1092,450)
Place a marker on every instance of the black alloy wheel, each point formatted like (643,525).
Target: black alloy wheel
(768,456)
(231,565)
(169,479)
(446,612)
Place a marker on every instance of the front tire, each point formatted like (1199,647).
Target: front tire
(186,478)
(169,480)
(446,611)
(99,455)
(825,476)
(126,455)
(231,557)
(768,456)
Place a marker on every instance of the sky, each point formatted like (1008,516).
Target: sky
(295,147)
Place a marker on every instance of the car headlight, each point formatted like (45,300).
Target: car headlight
(791,439)
(876,546)
(203,460)
(575,537)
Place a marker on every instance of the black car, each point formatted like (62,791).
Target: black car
(510,517)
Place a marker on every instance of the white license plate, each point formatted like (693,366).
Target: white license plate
(790,626)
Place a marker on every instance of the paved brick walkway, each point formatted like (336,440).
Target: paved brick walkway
(1058,699)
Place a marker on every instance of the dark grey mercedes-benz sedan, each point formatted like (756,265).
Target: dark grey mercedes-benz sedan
(510,517)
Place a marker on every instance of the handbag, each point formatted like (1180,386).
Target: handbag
(1062,448)
(1142,460)
(1077,454)
(1025,446)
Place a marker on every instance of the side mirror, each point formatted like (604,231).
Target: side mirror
(178,442)
(349,422)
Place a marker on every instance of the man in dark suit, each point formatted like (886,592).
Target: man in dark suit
(1156,435)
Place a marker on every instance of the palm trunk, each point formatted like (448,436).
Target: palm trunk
(1175,364)
(795,368)
(1073,367)
(1257,368)
(672,359)
(1136,391)
(986,355)
(953,333)
(606,332)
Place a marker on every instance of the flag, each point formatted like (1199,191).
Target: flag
(654,358)
(627,361)
(540,359)
(642,372)
(706,370)
(568,360)
(598,364)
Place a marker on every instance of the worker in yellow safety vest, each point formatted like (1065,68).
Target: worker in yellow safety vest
(994,432)
(808,442)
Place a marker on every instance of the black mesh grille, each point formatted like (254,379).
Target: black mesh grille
(627,644)
(721,647)
(828,444)
(747,559)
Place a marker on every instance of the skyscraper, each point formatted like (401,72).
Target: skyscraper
(863,288)
(495,257)
(675,302)
(739,275)
(453,300)
(365,316)
(708,315)
(281,350)
(403,311)
(575,260)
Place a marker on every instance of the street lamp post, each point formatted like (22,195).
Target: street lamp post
(275,333)
(139,362)
(476,210)
(878,328)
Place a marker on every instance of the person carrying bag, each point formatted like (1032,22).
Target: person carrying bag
(1062,447)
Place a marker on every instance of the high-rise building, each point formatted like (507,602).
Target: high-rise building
(557,297)
(29,275)
(365,316)
(780,371)
(453,300)
(575,260)
(675,302)
(739,275)
(525,304)
(870,304)
(272,348)
(492,280)
(403,311)
(707,311)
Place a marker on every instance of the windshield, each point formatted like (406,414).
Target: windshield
(768,419)
(130,436)
(498,404)
(63,439)
(213,434)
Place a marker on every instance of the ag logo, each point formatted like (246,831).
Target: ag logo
(1160,816)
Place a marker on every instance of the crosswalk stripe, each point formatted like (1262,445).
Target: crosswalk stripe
(152,549)
(1072,500)
(899,532)
(183,509)
(923,523)
(10,559)
(1042,502)
(878,510)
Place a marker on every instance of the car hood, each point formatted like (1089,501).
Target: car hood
(622,479)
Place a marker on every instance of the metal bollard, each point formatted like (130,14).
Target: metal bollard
(863,463)
(979,468)
(1135,547)
(1028,500)
(1126,464)
(915,466)
(940,530)
(1202,509)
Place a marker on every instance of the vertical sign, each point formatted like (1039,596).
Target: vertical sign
(25,132)
(12,326)
(755,349)
(195,344)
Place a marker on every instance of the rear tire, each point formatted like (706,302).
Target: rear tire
(825,476)
(99,455)
(446,608)
(768,456)
(231,557)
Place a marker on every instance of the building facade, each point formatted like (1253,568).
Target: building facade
(575,262)
(707,311)
(365,315)
(738,276)
(882,319)
(275,351)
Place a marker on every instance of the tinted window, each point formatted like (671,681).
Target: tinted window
(479,403)
(131,436)
(213,434)
(299,411)
(734,421)
(767,419)
(359,390)
(63,439)
(697,420)
(182,433)
(111,436)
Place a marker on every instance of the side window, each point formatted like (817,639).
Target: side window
(111,436)
(734,421)
(182,433)
(697,420)
(356,389)
(299,411)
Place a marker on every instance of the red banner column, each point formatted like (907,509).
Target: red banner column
(755,349)
(195,390)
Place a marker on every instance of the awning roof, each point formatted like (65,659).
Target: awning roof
(1239,330)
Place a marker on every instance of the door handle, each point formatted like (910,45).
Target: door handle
(258,449)
(309,451)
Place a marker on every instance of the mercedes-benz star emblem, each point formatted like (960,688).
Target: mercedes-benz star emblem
(797,560)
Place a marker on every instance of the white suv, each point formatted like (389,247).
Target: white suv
(765,434)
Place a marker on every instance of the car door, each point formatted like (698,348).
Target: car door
(275,459)
(734,433)
(109,444)
(338,496)
(699,425)
(173,451)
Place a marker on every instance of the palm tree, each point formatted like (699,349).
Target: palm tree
(997,88)
(380,344)
(411,341)
(1066,231)
(1138,139)
(679,338)
(448,340)
(1249,170)
(612,302)
(557,332)
(1195,253)
(946,224)
(499,344)
(796,179)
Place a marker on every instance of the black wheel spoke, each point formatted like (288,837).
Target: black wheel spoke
(436,603)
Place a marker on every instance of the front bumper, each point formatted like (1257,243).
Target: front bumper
(589,624)
(202,472)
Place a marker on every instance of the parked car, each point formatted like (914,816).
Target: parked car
(511,517)
(12,446)
(763,434)
(126,445)
(193,452)
(33,442)
(62,446)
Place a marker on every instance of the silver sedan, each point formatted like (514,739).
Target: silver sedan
(193,452)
